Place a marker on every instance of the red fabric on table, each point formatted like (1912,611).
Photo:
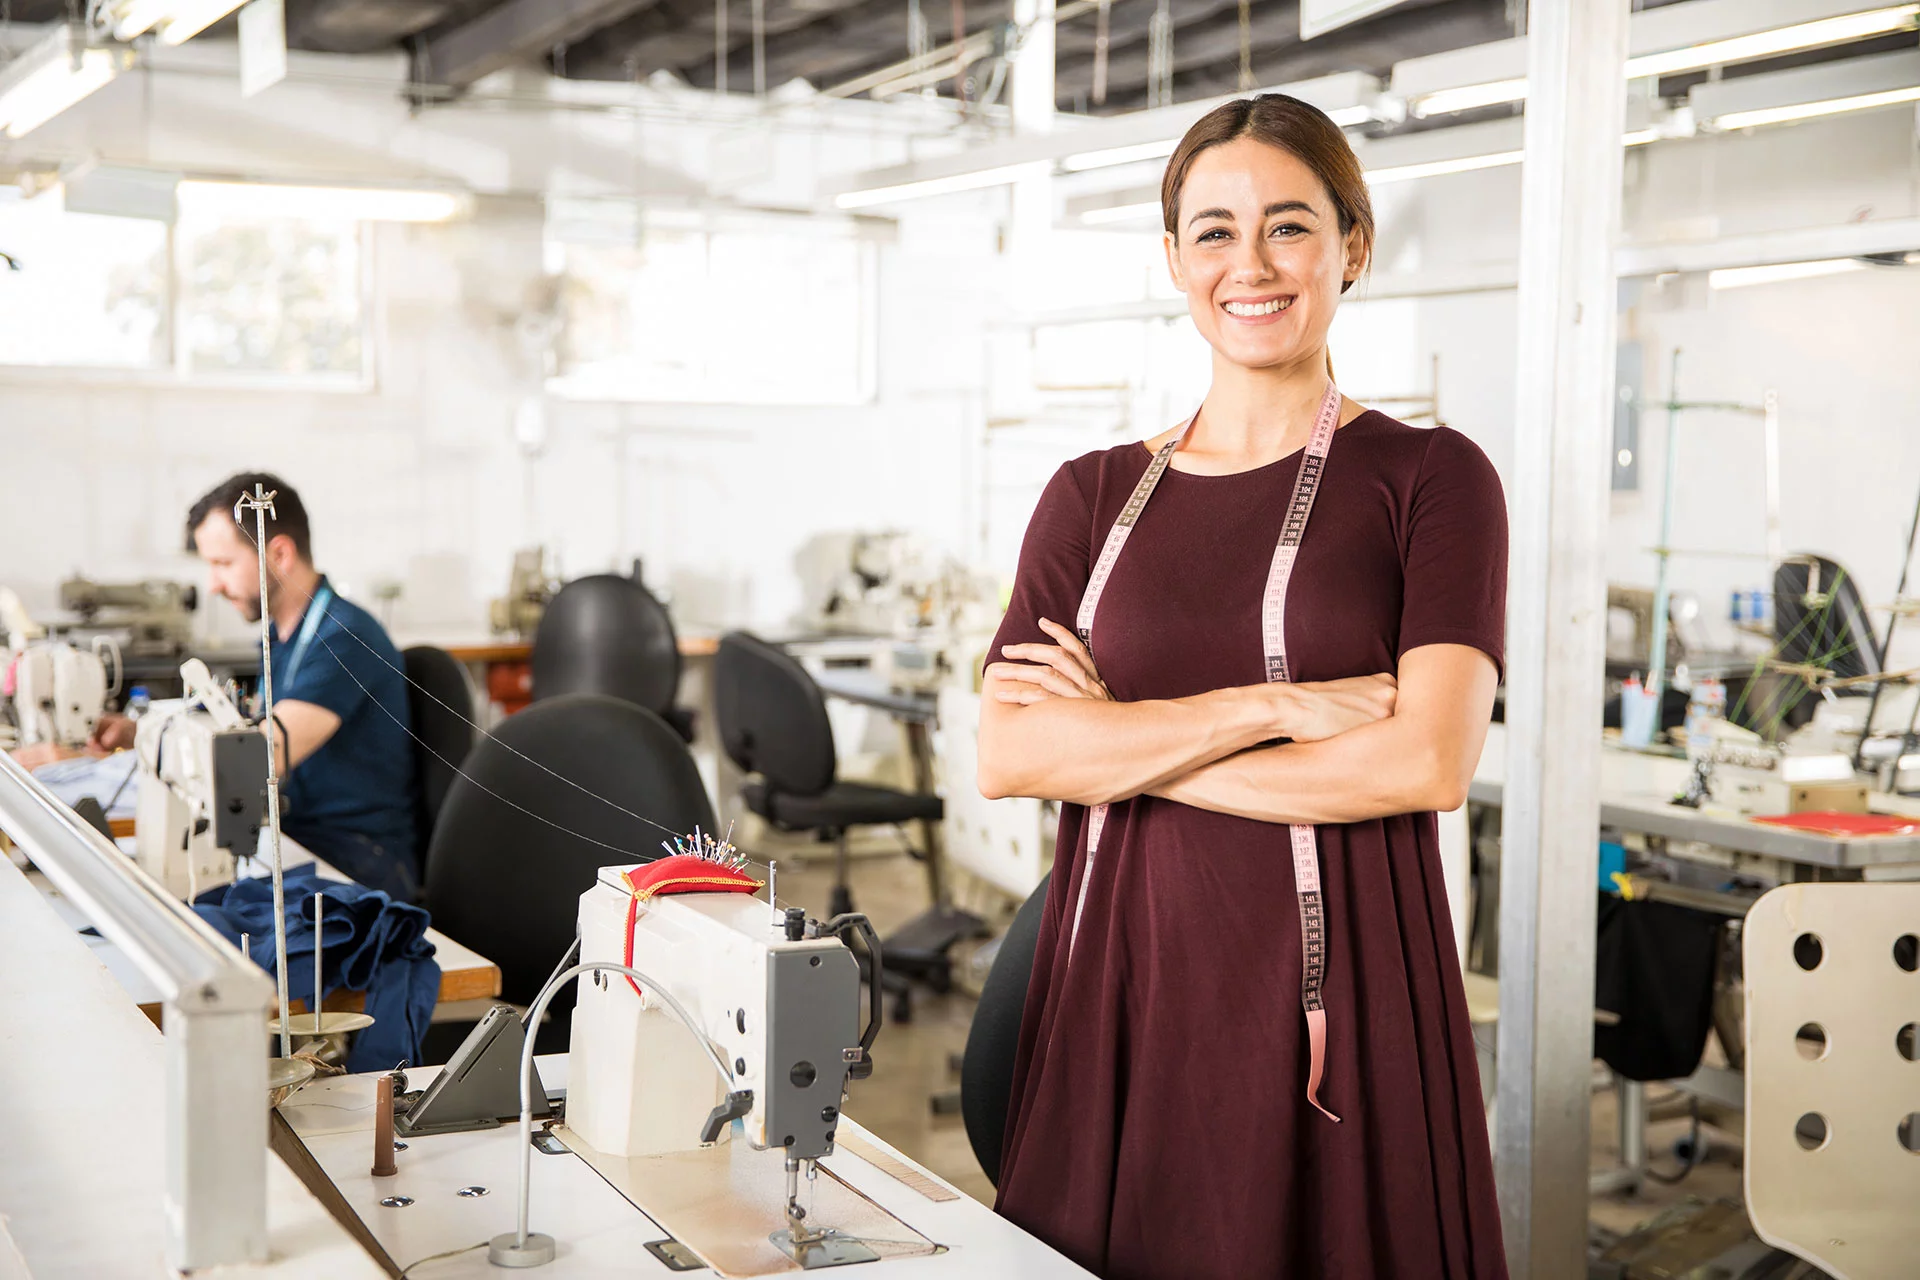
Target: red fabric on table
(1158,1128)
(1829,822)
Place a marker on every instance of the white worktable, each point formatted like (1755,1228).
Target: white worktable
(1636,792)
(598,1231)
(82,1119)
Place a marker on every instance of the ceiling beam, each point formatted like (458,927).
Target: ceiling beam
(514,31)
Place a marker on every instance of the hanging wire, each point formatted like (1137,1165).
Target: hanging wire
(1102,28)
(759,48)
(1246,46)
(1160,56)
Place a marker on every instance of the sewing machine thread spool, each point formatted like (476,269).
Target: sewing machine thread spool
(383,1166)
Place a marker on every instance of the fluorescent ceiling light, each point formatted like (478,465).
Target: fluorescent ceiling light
(1737,277)
(1808,110)
(1434,168)
(974,181)
(363,204)
(1712,53)
(1347,117)
(1766,44)
(1469,97)
(172,21)
(1120,213)
(51,76)
(1119,155)
(1467,164)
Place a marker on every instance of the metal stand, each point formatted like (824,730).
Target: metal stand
(1769,413)
(260,501)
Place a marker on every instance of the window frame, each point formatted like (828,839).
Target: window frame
(176,371)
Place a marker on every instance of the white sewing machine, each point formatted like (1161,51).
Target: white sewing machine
(203,786)
(781,1007)
(59,691)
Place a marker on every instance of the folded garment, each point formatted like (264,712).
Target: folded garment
(372,944)
(107,779)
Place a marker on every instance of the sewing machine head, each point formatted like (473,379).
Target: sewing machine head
(203,786)
(59,691)
(781,1008)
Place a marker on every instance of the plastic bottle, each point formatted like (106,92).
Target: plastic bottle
(1707,704)
(138,700)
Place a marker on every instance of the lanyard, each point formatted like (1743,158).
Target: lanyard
(309,626)
(1273,628)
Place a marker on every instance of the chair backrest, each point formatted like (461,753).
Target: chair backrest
(1818,617)
(986,1070)
(773,719)
(545,801)
(440,704)
(609,635)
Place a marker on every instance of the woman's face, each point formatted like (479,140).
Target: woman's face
(1259,254)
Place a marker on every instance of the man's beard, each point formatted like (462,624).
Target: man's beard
(249,608)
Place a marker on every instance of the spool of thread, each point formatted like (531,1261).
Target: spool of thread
(383,1166)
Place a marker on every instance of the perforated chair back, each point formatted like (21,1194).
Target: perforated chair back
(773,718)
(1819,617)
(440,705)
(986,1069)
(548,799)
(1832,1112)
(608,635)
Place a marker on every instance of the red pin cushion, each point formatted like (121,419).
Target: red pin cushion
(680,873)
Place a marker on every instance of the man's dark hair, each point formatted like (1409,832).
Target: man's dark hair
(289,513)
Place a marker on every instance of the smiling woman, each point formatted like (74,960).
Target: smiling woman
(1245,1050)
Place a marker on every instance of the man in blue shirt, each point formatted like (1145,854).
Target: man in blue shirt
(341,733)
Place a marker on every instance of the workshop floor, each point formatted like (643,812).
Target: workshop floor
(911,1060)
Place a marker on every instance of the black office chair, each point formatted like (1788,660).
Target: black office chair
(986,1069)
(543,803)
(773,725)
(610,635)
(440,705)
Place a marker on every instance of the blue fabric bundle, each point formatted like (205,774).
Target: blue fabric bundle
(373,944)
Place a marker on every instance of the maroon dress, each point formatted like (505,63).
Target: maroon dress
(1158,1128)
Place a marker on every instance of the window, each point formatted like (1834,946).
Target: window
(767,312)
(84,291)
(205,300)
(272,296)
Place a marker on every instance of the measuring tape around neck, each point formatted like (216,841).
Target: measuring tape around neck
(309,627)
(1273,635)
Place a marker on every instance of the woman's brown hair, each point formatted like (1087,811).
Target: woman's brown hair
(1301,130)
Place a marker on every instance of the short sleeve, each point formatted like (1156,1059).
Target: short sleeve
(1055,563)
(330,675)
(1456,554)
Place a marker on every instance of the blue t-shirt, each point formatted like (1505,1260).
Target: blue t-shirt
(360,781)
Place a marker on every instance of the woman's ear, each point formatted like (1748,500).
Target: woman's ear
(1356,263)
(1172,247)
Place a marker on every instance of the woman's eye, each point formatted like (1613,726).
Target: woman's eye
(1218,233)
(1287,230)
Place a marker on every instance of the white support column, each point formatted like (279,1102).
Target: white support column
(1031,100)
(1570,214)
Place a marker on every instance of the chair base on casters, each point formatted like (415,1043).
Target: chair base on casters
(917,951)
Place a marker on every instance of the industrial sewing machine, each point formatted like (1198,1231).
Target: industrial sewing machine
(777,995)
(203,786)
(155,616)
(59,692)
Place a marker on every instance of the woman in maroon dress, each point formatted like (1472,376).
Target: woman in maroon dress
(1296,606)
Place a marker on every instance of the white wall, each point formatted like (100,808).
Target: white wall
(423,479)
